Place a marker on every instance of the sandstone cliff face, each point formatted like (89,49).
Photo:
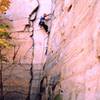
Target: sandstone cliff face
(73,59)
(74,48)
(27,55)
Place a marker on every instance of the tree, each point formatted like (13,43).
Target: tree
(4,34)
(4,5)
(4,43)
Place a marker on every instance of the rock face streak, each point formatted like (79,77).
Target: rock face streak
(74,49)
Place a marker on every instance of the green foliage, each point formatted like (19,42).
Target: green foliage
(4,40)
(4,26)
(4,43)
(4,34)
(58,97)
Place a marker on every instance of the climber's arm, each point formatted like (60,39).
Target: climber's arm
(47,18)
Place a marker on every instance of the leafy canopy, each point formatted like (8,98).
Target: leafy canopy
(4,34)
(4,5)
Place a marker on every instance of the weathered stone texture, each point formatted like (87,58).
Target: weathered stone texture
(75,37)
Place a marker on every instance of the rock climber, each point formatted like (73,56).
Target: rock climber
(43,21)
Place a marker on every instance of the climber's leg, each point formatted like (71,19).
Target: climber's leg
(45,27)
(42,24)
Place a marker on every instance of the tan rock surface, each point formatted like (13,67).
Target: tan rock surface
(75,37)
